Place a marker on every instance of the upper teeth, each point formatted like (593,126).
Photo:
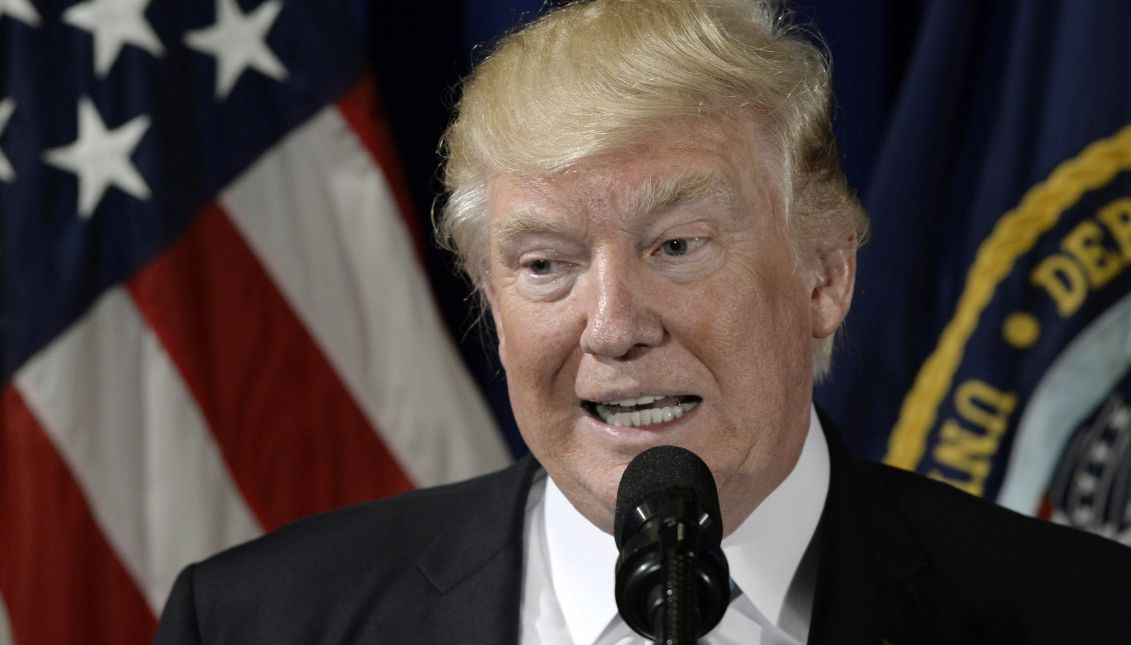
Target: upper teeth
(645,417)
(640,400)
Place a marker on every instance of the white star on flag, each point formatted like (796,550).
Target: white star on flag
(101,157)
(238,41)
(114,23)
(7,107)
(21,10)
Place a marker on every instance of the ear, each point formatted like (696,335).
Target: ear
(834,277)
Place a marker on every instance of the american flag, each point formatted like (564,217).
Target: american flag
(214,318)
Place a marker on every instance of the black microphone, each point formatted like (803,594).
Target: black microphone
(672,579)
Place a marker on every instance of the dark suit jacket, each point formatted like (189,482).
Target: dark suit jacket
(902,560)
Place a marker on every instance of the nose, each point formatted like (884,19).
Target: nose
(622,313)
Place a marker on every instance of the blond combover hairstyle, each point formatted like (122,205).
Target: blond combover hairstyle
(592,77)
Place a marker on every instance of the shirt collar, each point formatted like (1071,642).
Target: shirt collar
(766,549)
(763,553)
(582,561)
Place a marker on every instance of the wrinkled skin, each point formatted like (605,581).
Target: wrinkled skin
(599,294)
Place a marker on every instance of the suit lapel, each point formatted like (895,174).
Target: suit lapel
(475,569)
(867,589)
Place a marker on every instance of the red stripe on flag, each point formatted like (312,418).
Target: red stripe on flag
(61,581)
(361,108)
(293,437)
(1045,511)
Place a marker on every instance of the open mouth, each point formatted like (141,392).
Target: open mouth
(643,410)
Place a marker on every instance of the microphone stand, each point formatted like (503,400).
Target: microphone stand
(678,615)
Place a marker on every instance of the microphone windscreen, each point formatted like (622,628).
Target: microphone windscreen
(661,469)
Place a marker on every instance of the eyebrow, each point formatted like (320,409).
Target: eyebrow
(657,195)
(523,222)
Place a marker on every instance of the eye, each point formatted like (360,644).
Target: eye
(676,247)
(679,246)
(540,266)
(542,278)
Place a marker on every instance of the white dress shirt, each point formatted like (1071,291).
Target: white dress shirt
(568,574)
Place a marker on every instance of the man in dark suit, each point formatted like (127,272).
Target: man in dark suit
(647,194)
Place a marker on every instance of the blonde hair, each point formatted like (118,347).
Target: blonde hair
(592,77)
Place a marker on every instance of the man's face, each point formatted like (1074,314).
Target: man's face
(660,271)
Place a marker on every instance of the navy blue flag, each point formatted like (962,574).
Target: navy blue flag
(991,331)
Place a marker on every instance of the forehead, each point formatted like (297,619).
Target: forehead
(686,167)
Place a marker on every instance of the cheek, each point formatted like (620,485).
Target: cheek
(537,341)
(751,330)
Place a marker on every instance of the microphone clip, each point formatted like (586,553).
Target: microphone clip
(672,579)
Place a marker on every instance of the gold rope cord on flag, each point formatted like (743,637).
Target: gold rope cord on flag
(1013,235)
